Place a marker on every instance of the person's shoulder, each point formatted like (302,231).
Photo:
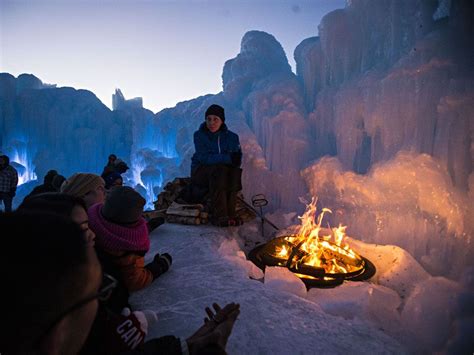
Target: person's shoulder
(200,133)
(11,169)
(232,134)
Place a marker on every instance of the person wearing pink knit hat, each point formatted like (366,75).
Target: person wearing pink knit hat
(122,242)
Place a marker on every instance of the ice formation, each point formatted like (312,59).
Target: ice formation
(409,201)
(377,123)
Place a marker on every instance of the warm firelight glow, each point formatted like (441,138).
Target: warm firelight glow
(317,247)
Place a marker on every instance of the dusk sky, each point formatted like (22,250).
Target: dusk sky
(163,51)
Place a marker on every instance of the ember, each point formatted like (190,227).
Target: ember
(317,255)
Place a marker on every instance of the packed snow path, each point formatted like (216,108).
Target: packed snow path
(271,322)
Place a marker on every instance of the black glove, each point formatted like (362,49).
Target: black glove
(165,256)
(160,264)
(236,158)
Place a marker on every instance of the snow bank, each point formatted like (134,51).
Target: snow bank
(401,304)
(207,268)
(429,313)
(363,300)
(231,251)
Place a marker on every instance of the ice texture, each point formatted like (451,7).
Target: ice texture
(381,77)
(430,311)
(282,279)
(377,123)
(409,201)
(362,300)
(271,321)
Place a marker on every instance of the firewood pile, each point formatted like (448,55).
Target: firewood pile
(178,211)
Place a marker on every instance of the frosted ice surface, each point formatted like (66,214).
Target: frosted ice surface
(408,201)
(396,268)
(282,279)
(429,312)
(271,322)
(363,300)
(231,251)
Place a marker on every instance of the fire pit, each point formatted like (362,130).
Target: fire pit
(316,255)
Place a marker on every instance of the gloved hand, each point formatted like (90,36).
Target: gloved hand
(160,264)
(236,158)
(166,257)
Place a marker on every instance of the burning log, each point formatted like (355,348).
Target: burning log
(329,254)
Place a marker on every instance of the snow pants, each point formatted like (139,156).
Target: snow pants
(222,183)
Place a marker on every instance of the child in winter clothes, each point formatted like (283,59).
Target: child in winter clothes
(122,241)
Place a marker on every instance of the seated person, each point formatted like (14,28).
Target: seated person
(113,179)
(57,182)
(215,167)
(64,205)
(47,185)
(122,242)
(54,294)
(120,166)
(89,187)
(110,167)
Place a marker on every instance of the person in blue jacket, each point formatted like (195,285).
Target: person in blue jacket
(215,166)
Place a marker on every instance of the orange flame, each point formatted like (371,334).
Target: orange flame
(320,250)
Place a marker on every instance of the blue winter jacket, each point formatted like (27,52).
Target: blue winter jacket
(214,148)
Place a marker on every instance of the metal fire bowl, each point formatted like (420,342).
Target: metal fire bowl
(318,277)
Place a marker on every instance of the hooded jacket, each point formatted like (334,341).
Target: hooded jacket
(214,148)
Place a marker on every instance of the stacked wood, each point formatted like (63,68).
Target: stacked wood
(170,195)
(186,214)
(170,192)
(183,220)
(153,214)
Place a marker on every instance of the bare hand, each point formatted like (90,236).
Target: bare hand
(216,329)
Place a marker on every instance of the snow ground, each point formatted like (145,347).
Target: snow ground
(208,266)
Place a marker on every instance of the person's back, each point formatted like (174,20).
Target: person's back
(47,185)
(57,182)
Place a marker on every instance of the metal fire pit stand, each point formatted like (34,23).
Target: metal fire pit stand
(259,199)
